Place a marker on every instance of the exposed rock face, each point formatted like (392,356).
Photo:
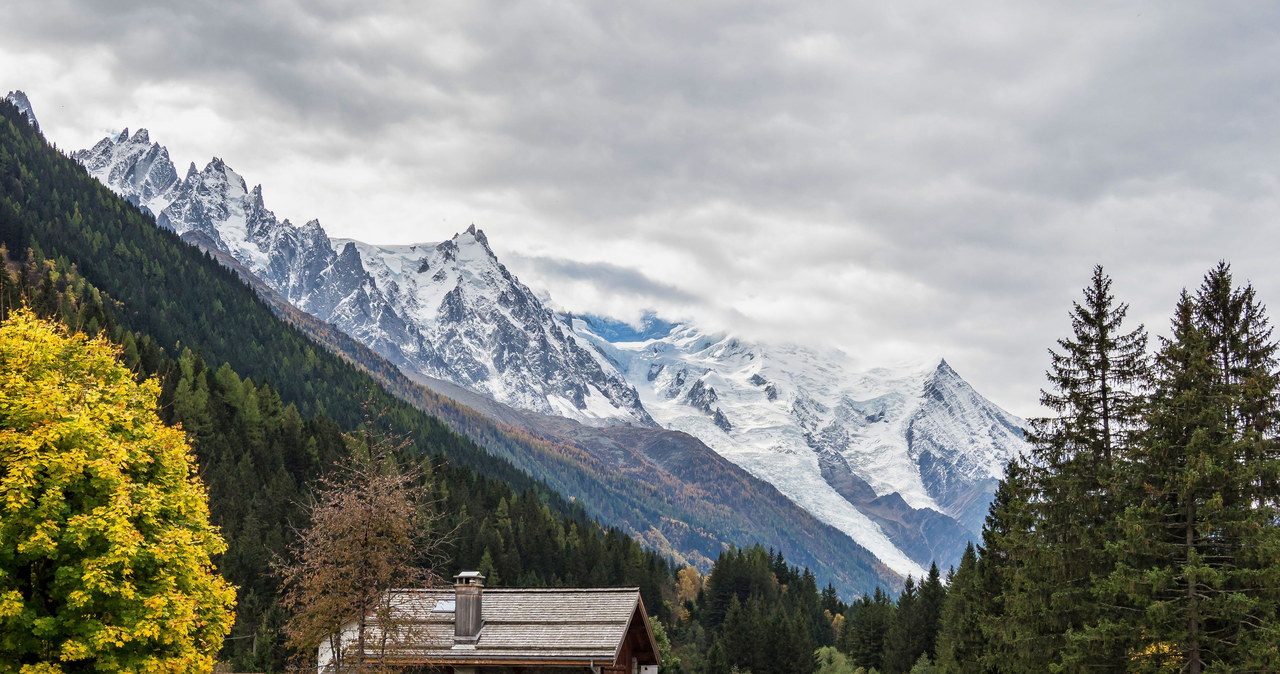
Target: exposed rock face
(493,335)
(19,100)
(448,310)
(903,461)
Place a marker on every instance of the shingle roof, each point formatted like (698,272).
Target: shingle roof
(520,625)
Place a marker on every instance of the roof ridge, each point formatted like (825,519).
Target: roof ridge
(561,589)
(449,590)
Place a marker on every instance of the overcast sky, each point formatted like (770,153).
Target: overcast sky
(906,180)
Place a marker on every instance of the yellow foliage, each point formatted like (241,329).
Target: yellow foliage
(688,582)
(101,516)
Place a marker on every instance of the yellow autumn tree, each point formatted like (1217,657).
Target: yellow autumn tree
(105,540)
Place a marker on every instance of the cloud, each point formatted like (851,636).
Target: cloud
(913,177)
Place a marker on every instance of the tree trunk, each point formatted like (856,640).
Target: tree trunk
(1194,663)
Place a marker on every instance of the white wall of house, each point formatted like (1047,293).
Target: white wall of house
(325,657)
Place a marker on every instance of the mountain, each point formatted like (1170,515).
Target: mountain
(20,101)
(493,335)
(448,310)
(665,488)
(905,460)
(266,409)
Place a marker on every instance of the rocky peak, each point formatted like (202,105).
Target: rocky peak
(20,101)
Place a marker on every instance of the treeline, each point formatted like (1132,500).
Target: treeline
(1143,532)
(756,613)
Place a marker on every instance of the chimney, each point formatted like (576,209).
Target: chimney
(468,587)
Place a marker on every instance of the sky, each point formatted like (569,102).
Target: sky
(906,180)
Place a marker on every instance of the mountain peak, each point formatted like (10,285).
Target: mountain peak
(141,137)
(478,236)
(23,104)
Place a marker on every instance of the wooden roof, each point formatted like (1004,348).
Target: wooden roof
(521,626)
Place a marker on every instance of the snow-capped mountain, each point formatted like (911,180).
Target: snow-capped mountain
(20,101)
(448,310)
(493,335)
(904,460)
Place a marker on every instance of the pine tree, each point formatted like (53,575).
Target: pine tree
(961,643)
(1095,394)
(933,595)
(904,641)
(1200,549)
(1010,642)
(865,630)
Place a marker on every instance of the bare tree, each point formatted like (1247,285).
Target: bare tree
(373,527)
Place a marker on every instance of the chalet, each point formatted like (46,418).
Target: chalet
(471,630)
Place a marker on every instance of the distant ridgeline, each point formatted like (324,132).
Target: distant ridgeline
(485,355)
(267,409)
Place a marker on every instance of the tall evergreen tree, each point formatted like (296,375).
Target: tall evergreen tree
(960,639)
(1200,550)
(905,640)
(865,629)
(1096,391)
(1007,644)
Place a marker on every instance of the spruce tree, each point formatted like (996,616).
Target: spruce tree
(864,632)
(905,640)
(960,640)
(1011,644)
(1199,555)
(1095,394)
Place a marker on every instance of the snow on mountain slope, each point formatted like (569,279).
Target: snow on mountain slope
(467,320)
(493,335)
(904,460)
(134,167)
(20,101)
(879,454)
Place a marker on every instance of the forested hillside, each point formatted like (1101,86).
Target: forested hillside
(267,410)
(75,251)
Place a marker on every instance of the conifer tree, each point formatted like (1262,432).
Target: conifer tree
(933,595)
(1096,391)
(960,640)
(1010,642)
(864,632)
(904,641)
(1200,548)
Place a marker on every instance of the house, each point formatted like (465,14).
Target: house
(471,630)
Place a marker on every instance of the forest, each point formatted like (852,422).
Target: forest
(1141,533)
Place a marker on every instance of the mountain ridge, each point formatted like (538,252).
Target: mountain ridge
(451,311)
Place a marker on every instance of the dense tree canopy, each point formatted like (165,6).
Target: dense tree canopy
(105,541)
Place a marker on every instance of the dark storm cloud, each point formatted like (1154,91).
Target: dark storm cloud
(930,177)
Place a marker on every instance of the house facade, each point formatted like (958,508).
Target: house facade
(473,630)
